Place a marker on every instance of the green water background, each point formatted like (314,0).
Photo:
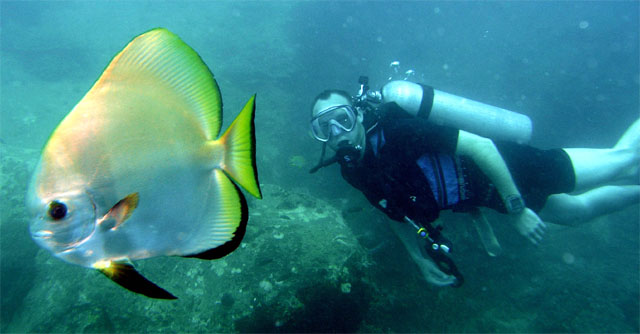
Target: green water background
(572,67)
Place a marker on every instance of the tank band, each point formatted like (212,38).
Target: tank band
(427,102)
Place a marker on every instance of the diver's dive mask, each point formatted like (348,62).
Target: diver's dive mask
(332,121)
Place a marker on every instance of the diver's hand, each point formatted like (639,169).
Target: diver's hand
(530,225)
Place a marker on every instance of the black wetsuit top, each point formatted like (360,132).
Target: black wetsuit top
(409,163)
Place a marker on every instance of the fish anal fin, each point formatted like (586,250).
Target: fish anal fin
(241,213)
(122,210)
(126,276)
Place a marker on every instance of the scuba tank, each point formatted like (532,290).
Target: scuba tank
(458,112)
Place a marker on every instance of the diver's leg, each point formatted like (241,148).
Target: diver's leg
(573,210)
(485,231)
(597,167)
(618,165)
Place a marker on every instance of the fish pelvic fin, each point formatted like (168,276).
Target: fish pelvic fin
(239,141)
(123,273)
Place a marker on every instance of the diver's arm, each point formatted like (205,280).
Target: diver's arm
(485,154)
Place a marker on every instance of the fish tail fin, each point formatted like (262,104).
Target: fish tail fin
(240,150)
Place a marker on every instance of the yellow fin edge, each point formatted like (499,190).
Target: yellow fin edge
(240,150)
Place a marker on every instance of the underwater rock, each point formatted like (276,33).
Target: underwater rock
(227,300)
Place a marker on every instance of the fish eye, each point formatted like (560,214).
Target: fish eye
(57,210)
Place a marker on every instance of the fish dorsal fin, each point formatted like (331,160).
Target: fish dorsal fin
(160,58)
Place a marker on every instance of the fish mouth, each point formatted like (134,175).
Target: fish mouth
(44,234)
(58,239)
(47,239)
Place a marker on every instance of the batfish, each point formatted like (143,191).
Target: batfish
(137,169)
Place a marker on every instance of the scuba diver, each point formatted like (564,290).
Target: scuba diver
(414,151)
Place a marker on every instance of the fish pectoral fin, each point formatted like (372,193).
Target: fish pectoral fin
(120,212)
(126,276)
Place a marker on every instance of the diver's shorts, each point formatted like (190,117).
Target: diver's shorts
(537,173)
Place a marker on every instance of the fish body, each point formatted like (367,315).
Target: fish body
(137,170)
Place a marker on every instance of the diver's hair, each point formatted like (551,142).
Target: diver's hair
(326,94)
